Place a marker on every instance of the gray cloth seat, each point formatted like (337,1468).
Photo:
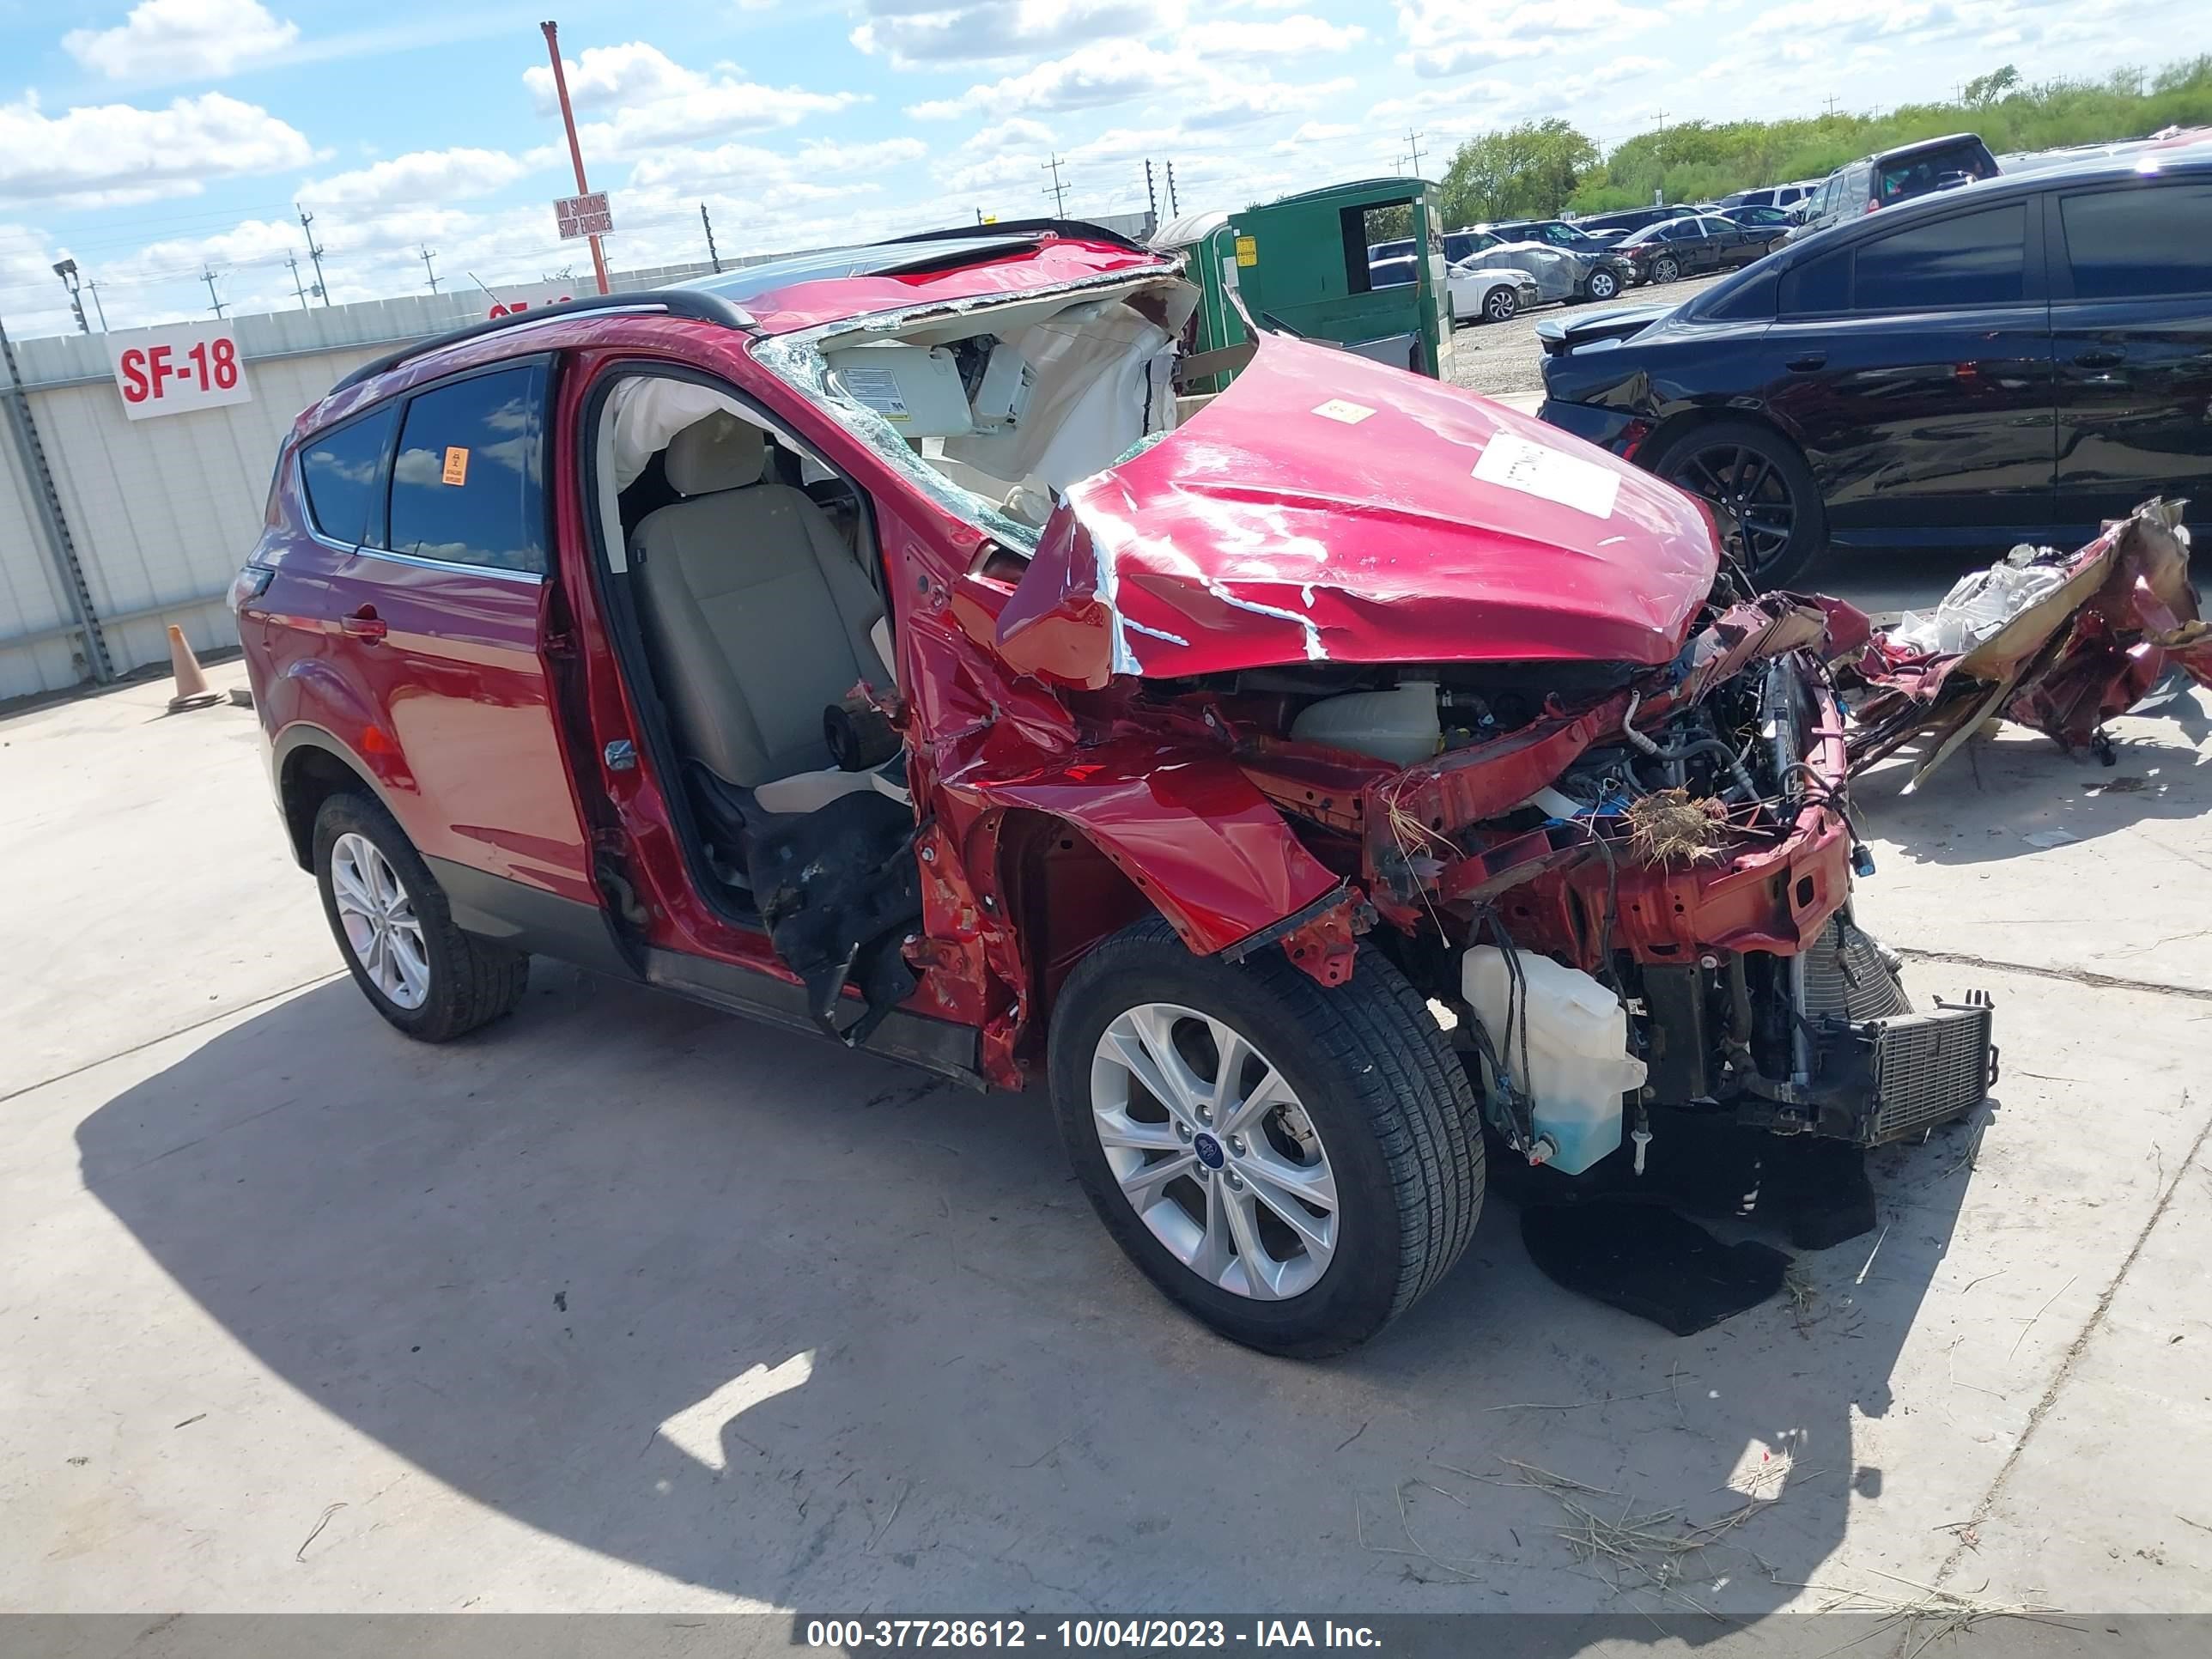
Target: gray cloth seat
(757,615)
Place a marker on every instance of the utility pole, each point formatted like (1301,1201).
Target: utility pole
(1058,190)
(1151,201)
(70,283)
(713,257)
(552,32)
(1174,207)
(206,275)
(1832,104)
(98,309)
(314,254)
(1413,149)
(428,254)
(292,264)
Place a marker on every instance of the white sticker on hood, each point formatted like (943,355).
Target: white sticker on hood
(1336,409)
(1536,469)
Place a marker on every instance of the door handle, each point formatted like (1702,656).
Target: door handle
(363,624)
(2098,358)
(1806,362)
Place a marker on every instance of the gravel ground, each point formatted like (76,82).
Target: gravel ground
(1500,360)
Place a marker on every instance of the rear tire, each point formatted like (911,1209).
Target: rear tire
(1384,1108)
(426,976)
(1765,498)
(1665,269)
(1603,285)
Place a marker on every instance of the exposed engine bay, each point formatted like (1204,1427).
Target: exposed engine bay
(1631,887)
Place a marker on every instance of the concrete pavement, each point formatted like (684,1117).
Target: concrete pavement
(622,1304)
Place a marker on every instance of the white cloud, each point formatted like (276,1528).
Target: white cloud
(917,34)
(173,39)
(607,76)
(1450,37)
(651,99)
(1280,37)
(1239,102)
(119,152)
(1089,78)
(426,175)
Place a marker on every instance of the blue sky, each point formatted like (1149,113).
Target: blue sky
(151,142)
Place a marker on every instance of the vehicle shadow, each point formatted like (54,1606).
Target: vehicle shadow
(788,1324)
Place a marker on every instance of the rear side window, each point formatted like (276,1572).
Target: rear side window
(1968,258)
(468,487)
(1819,285)
(2133,244)
(344,471)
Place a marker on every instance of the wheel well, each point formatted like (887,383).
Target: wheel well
(1064,895)
(311,776)
(1664,434)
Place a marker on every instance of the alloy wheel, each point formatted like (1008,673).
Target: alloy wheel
(1603,285)
(1499,307)
(1748,494)
(1664,270)
(378,914)
(1211,1149)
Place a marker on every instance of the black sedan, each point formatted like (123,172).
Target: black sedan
(1693,247)
(2019,360)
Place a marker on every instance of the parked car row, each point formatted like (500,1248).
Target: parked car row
(1964,368)
(1493,273)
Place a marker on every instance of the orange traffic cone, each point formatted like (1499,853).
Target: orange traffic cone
(192,689)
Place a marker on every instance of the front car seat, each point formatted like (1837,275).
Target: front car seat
(756,616)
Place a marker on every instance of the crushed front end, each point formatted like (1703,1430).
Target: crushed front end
(1355,654)
(1631,886)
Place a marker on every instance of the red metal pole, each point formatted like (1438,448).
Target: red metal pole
(576,150)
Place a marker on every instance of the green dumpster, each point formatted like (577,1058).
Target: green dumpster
(1303,263)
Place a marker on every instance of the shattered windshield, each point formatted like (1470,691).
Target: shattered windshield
(1082,379)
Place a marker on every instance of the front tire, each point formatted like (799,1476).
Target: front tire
(1294,1165)
(1764,497)
(426,976)
(1498,306)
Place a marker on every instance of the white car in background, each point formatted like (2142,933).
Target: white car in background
(1478,294)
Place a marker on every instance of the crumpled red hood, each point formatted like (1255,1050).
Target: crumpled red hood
(1326,508)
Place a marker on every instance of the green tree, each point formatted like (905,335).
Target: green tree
(1527,171)
(1985,89)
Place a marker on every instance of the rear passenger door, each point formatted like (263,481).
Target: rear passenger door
(440,614)
(2131,326)
(1916,367)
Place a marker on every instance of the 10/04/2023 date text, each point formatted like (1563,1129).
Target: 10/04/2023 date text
(1087,1634)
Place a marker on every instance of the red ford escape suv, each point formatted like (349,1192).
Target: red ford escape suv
(1310,783)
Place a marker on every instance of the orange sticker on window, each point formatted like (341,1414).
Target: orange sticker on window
(457,464)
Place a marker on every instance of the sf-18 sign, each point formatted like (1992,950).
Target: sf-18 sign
(173,370)
(584,215)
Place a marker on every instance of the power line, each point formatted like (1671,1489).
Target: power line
(1058,190)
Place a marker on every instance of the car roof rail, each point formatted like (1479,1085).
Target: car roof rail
(698,305)
(1080,229)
